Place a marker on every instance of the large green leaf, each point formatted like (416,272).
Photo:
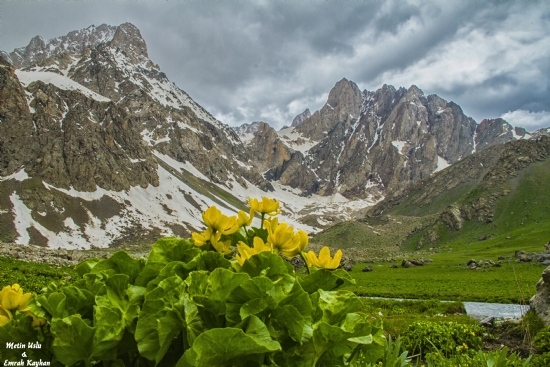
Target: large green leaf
(219,286)
(170,249)
(116,294)
(231,346)
(93,282)
(109,330)
(161,318)
(207,260)
(326,280)
(333,342)
(86,266)
(68,301)
(297,326)
(254,295)
(122,263)
(268,264)
(73,340)
(332,307)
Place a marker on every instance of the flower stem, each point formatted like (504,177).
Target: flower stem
(262,224)
(303,256)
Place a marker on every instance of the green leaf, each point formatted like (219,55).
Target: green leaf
(109,330)
(73,340)
(150,271)
(92,282)
(69,301)
(257,289)
(298,327)
(253,307)
(170,249)
(230,346)
(332,307)
(209,260)
(219,285)
(86,266)
(115,295)
(160,320)
(121,263)
(268,264)
(326,280)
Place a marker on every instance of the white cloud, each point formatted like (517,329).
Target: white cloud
(531,121)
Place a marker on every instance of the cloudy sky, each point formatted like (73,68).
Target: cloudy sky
(268,61)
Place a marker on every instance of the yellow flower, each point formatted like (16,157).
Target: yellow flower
(245,252)
(244,219)
(201,238)
(221,246)
(213,218)
(5,317)
(267,206)
(325,260)
(282,238)
(12,298)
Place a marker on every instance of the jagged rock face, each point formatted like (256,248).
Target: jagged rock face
(165,116)
(267,148)
(248,128)
(343,104)
(301,118)
(70,139)
(16,127)
(74,43)
(496,131)
(374,143)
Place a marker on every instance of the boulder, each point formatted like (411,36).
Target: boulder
(407,264)
(540,302)
(418,262)
(367,269)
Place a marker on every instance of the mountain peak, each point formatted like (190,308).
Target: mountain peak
(345,93)
(415,90)
(74,42)
(301,118)
(128,39)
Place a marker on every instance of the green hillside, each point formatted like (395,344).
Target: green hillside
(501,197)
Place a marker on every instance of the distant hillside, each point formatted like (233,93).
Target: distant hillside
(499,195)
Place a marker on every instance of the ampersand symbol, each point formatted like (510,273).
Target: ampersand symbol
(24,354)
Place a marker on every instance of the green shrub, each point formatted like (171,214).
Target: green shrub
(498,358)
(542,340)
(532,324)
(446,338)
(540,360)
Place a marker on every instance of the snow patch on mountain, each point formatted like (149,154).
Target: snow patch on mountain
(399,145)
(296,140)
(20,175)
(441,164)
(60,81)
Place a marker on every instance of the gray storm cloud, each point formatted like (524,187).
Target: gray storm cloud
(268,61)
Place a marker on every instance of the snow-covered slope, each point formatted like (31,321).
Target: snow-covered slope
(60,81)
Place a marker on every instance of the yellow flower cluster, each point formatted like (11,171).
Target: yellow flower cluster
(281,237)
(324,260)
(13,299)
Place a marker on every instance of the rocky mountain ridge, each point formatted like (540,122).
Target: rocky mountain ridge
(369,144)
